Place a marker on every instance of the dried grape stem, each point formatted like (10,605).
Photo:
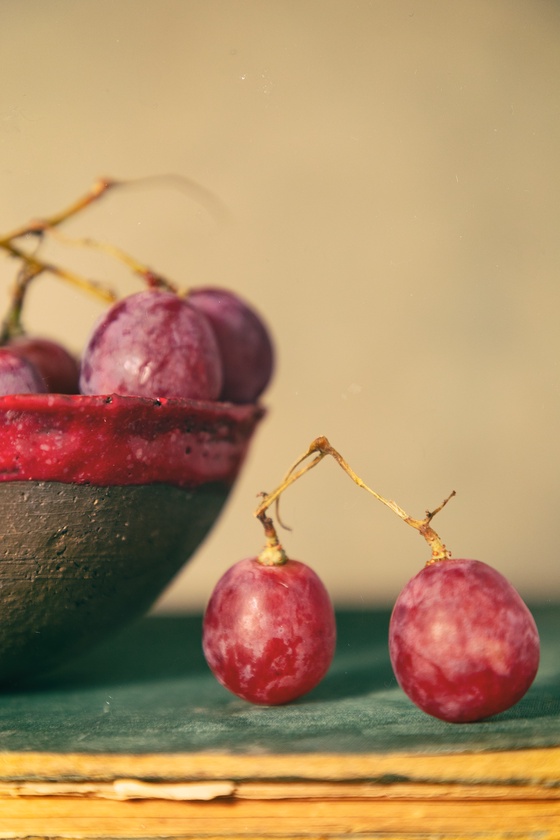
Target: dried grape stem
(272,554)
(152,278)
(37,266)
(38,226)
(11,325)
(321,447)
(33,266)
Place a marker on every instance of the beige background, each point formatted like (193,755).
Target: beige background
(390,174)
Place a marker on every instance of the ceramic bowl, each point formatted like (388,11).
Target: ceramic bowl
(102,501)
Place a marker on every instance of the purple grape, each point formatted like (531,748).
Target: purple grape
(462,643)
(153,344)
(245,344)
(269,631)
(19,376)
(58,367)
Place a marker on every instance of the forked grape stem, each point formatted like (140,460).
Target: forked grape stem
(32,265)
(320,448)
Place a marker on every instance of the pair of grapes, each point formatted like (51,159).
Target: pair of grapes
(462,643)
(206,345)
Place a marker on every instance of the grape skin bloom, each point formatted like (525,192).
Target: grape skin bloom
(463,644)
(18,375)
(245,345)
(57,366)
(153,344)
(269,632)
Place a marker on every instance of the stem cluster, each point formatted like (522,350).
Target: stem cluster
(31,265)
(319,449)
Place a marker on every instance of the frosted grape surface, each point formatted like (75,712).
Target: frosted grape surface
(153,344)
(463,644)
(269,632)
(57,366)
(245,345)
(19,376)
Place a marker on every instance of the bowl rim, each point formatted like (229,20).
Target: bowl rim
(113,439)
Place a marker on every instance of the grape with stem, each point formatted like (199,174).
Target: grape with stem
(269,630)
(463,644)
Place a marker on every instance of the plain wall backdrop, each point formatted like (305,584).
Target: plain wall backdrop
(387,188)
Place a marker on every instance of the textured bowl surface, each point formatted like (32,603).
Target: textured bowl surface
(122,440)
(102,500)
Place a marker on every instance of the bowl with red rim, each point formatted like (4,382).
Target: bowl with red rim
(102,500)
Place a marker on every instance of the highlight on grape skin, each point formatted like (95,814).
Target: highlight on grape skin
(463,644)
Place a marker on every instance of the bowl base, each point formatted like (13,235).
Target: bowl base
(78,561)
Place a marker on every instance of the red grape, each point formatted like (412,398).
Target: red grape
(19,376)
(153,344)
(59,369)
(245,345)
(269,631)
(462,643)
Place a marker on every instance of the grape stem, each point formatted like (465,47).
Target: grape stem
(272,554)
(37,266)
(38,226)
(320,448)
(32,266)
(150,277)
(11,325)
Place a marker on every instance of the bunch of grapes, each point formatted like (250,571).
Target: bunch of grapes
(462,643)
(205,344)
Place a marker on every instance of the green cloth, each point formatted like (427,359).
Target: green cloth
(149,690)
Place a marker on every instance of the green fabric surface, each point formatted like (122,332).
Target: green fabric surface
(149,690)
